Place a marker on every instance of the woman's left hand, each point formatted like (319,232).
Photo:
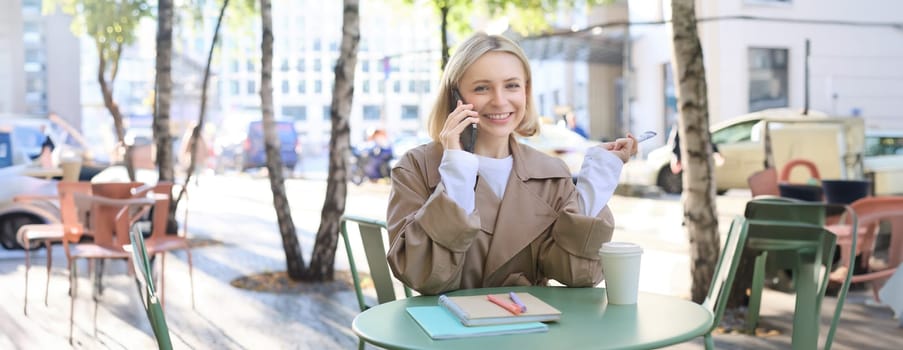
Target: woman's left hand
(624,147)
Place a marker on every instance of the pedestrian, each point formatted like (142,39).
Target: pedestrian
(571,122)
(45,157)
(676,166)
(506,214)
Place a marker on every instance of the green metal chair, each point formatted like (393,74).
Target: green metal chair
(795,229)
(145,282)
(723,279)
(371,234)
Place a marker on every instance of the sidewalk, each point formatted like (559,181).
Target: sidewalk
(230,318)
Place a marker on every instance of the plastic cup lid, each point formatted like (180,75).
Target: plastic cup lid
(621,248)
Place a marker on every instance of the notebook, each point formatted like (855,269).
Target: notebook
(438,323)
(477,310)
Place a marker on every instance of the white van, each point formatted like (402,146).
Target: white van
(835,144)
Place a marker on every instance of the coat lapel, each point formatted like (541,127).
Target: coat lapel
(523,215)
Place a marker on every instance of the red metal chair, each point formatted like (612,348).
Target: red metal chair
(871,211)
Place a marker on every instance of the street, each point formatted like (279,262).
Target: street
(236,210)
(246,202)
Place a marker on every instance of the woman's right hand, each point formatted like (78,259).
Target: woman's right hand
(459,119)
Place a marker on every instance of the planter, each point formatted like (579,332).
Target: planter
(809,193)
(845,191)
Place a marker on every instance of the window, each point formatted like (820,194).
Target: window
(412,86)
(409,112)
(425,87)
(296,113)
(396,86)
(317,65)
(741,132)
(318,86)
(252,87)
(316,44)
(767,78)
(234,66)
(250,65)
(371,112)
(365,66)
(284,66)
(327,112)
(883,145)
(365,86)
(300,66)
(234,87)
(669,96)
(285,88)
(302,87)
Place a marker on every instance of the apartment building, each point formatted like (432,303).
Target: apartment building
(397,70)
(38,72)
(755,58)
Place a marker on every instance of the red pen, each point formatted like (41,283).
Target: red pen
(514,309)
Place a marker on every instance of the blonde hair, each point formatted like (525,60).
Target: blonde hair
(469,52)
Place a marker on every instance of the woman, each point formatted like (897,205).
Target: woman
(505,214)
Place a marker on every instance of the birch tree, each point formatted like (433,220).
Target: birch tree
(695,147)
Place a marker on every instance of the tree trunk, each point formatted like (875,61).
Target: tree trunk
(323,257)
(293,258)
(443,12)
(106,90)
(698,180)
(196,132)
(162,95)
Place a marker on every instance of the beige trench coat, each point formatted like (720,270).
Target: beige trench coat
(533,234)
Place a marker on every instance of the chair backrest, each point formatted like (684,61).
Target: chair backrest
(371,234)
(110,231)
(870,211)
(728,262)
(786,209)
(160,216)
(73,216)
(151,302)
(764,182)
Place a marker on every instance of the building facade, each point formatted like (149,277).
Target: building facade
(38,73)
(755,58)
(397,70)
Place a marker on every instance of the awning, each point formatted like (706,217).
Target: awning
(602,46)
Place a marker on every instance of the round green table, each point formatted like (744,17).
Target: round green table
(587,322)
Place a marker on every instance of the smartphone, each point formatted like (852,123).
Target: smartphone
(469,135)
(645,136)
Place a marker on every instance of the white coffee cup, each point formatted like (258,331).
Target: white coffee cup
(621,265)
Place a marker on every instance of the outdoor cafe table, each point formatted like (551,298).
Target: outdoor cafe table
(588,321)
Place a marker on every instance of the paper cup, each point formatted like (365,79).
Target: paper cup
(621,265)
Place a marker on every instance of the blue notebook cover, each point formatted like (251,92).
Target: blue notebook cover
(440,324)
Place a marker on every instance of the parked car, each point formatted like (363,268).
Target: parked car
(21,139)
(740,141)
(883,161)
(255,154)
(15,214)
(559,141)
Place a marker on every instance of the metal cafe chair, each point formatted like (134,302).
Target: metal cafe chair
(371,235)
(725,271)
(796,230)
(145,283)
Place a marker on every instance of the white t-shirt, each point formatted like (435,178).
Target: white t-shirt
(596,181)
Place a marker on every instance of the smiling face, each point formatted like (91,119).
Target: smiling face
(496,86)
